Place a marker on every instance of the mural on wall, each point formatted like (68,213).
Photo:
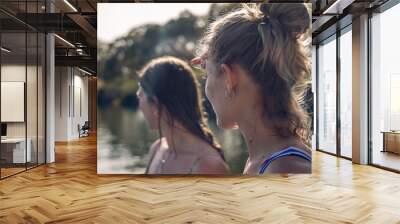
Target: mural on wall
(155,122)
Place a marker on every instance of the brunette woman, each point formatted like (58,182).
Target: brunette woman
(170,100)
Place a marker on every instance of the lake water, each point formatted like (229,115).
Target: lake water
(123,141)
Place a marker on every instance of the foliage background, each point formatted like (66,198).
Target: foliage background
(123,135)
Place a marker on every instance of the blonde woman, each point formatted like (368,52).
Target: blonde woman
(257,72)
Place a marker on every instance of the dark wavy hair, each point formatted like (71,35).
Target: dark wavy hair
(172,82)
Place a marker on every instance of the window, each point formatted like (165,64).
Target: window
(346,93)
(22,78)
(327,96)
(385,89)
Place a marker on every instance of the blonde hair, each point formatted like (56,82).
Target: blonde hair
(269,41)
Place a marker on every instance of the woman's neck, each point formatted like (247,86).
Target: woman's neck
(261,139)
(179,139)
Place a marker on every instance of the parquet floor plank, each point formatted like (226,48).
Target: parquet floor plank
(70,191)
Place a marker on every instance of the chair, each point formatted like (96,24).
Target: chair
(84,130)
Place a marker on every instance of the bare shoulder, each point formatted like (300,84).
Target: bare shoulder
(210,162)
(153,155)
(303,147)
(210,165)
(292,164)
(155,146)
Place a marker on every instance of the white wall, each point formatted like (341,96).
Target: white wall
(12,101)
(33,126)
(61,103)
(15,73)
(71,93)
(79,115)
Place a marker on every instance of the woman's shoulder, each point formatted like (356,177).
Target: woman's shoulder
(157,144)
(293,164)
(290,165)
(210,164)
(302,148)
(298,146)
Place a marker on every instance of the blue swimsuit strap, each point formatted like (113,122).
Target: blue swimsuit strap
(291,151)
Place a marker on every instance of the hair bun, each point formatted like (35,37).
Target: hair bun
(295,18)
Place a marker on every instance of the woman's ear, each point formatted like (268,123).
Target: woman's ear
(231,76)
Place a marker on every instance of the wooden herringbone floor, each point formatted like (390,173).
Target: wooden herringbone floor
(70,191)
